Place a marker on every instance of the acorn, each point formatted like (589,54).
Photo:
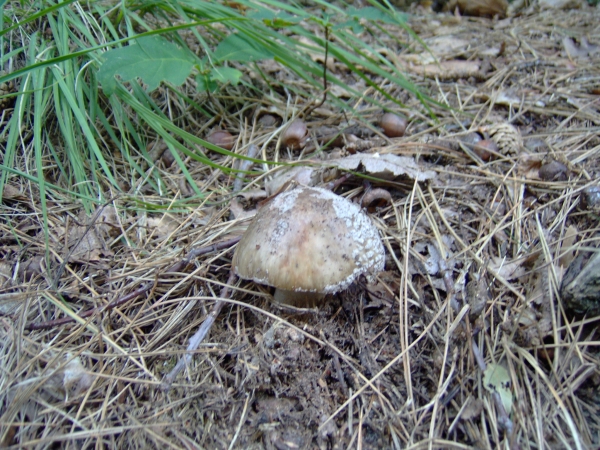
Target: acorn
(393,125)
(295,135)
(221,138)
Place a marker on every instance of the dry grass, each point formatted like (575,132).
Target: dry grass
(391,365)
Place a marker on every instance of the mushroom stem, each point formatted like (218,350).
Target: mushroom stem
(297,299)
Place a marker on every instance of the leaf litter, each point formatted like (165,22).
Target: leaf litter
(464,341)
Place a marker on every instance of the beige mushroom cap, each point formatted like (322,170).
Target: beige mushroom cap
(309,240)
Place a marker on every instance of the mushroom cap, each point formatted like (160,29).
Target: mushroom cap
(309,240)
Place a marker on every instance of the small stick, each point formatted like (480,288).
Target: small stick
(199,336)
(178,266)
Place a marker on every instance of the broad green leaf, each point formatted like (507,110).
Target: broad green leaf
(226,75)
(236,47)
(204,82)
(151,58)
(352,24)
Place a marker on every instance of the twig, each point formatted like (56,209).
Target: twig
(177,267)
(197,338)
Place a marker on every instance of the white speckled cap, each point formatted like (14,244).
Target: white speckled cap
(309,240)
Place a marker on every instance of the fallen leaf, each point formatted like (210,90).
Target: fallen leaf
(583,50)
(472,410)
(445,45)
(449,70)
(316,52)
(10,192)
(69,379)
(108,221)
(386,166)
(506,269)
(304,175)
(508,98)
(497,379)
(162,228)
(86,245)
(31,267)
(567,250)
(238,211)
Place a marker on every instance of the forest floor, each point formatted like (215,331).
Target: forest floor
(476,334)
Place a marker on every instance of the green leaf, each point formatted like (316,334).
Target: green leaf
(236,47)
(353,24)
(151,58)
(205,83)
(497,379)
(226,75)
(371,13)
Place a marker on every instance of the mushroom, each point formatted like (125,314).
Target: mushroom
(308,242)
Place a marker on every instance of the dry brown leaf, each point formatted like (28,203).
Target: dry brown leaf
(386,166)
(583,50)
(508,98)
(108,221)
(529,166)
(317,53)
(31,267)
(507,270)
(70,379)
(449,70)
(238,211)
(567,250)
(86,245)
(472,410)
(304,175)
(162,228)
(6,270)
(446,45)
(10,192)
(438,48)
(535,319)
(383,287)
